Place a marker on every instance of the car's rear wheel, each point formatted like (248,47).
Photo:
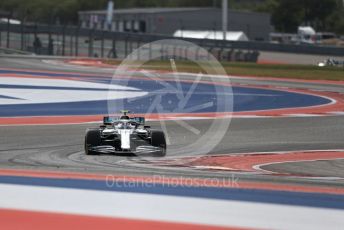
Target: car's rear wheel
(92,139)
(158,140)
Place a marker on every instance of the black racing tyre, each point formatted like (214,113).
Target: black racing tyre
(92,139)
(158,140)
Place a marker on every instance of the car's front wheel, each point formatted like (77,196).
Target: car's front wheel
(158,140)
(92,139)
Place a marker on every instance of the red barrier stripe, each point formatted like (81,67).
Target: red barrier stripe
(18,219)
(247,162)
(52,120)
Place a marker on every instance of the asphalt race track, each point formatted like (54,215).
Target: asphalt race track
(295,137)
(61,147)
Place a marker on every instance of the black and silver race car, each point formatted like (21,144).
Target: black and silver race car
(125,135)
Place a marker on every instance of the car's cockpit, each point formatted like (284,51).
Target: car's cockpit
(125,125)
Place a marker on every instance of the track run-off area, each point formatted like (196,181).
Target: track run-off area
(279,163)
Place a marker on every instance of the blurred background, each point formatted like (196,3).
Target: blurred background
(265,31)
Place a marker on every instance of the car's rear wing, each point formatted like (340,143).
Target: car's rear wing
(107,120)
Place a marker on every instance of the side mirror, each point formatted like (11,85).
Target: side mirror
(140,120)
(147,127)
(107,121)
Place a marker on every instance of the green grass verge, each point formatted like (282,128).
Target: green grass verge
(253,69)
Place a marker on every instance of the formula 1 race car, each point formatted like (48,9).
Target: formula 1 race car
(125,135)
(331,62)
